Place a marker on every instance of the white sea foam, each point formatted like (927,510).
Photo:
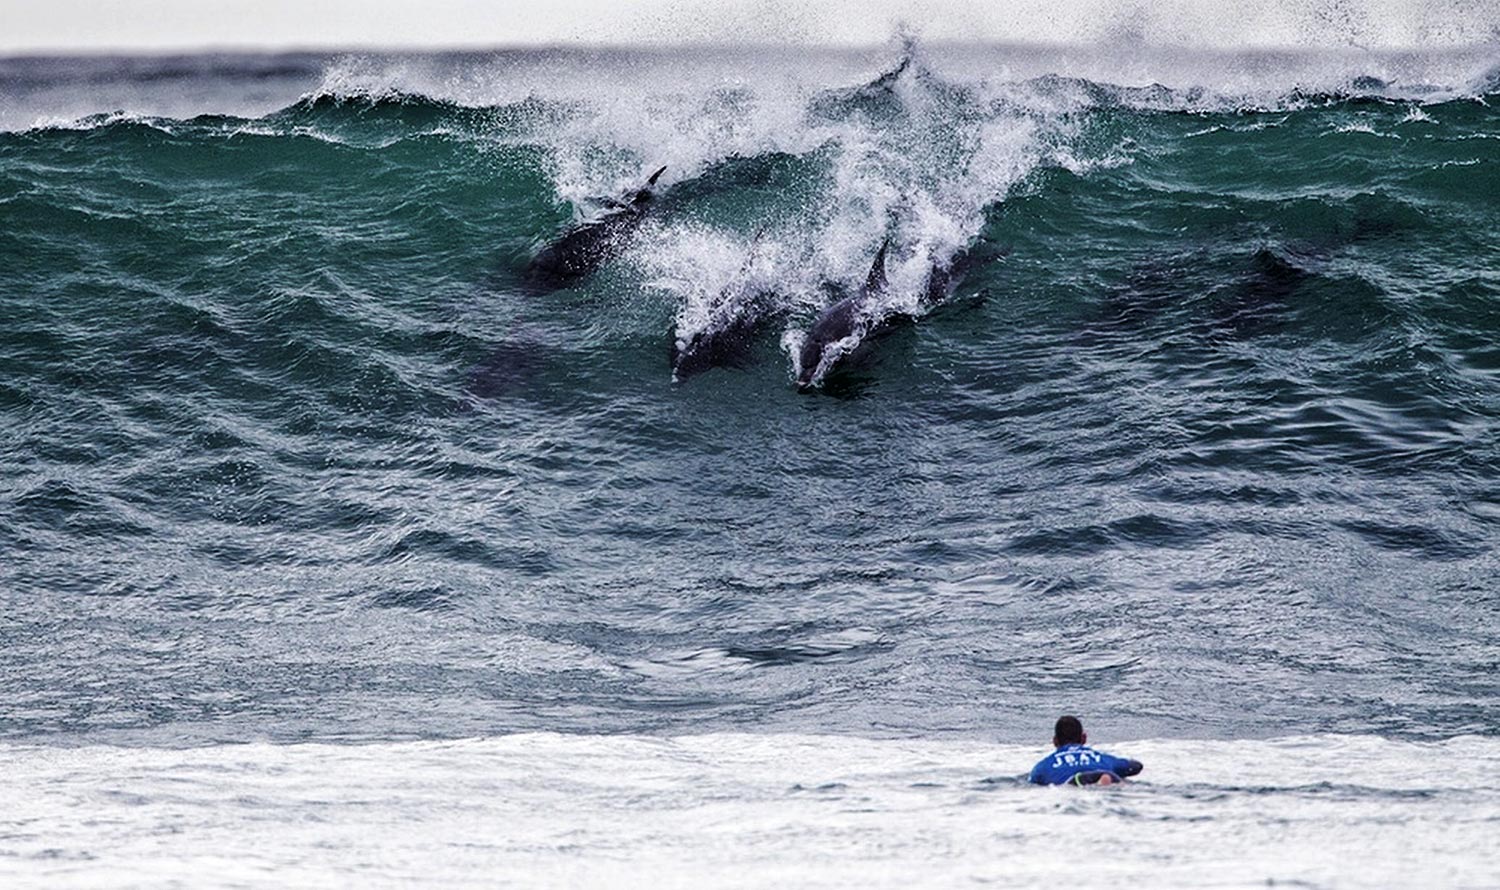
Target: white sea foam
(1363,128)
(911,157)
(918,158)
(1415,114)
(749,811)
(624,86)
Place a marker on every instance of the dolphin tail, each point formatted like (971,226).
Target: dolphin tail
(877,281)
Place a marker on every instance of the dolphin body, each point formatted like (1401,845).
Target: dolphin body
(737,318)
(1255,302)
(585,246)
(877,97)
(726,341)
(846,324)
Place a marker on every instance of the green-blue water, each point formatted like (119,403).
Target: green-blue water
(1205,444)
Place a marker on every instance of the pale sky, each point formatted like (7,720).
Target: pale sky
(41,25)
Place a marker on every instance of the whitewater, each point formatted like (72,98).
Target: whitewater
(334,550)
(748,811)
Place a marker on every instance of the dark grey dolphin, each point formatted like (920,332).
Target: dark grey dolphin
(1261,300)
(848,318)
(584,247)
(1255,301)
(944,278)
(737,317)
(877,97)
(727,339)
(856,317)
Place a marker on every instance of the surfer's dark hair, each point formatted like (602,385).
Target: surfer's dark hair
(1069,731)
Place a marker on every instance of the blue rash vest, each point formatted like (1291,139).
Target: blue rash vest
(1082,765)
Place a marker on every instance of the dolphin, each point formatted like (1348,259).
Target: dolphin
(737,317)
(1260,302)
(846,324)
(876,97)
(945,277)
(726,340)
(1255,301)
(584,247)
(842,325)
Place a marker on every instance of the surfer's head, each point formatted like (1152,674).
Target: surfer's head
(1069,731)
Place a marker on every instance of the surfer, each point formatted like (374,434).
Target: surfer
(1074,763)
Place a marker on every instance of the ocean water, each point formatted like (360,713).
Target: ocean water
(334,547)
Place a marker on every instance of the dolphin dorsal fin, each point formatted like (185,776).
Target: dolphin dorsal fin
(877,281)
(643,195)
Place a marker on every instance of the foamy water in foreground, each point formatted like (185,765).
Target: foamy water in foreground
(542,809)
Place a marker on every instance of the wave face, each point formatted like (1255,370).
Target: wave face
(1202,443)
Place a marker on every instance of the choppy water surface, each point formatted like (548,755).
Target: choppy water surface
(1203,446)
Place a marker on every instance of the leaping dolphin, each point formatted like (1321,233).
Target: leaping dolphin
(840,327)
(584,247)
(727,339)
(738,315)
(846,324)
(877,97)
